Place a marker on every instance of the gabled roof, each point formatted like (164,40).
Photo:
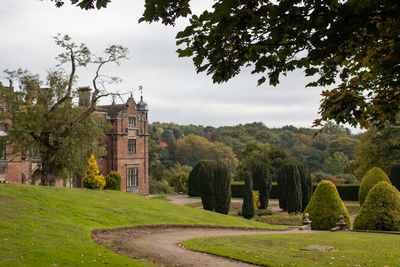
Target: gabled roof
(112,110)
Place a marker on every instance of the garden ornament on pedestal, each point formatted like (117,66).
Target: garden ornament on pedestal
(306,223)
(340,225)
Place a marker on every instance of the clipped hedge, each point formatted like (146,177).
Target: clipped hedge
(325,207)
(381,209)
(348,192)
(371,178)
(394,175)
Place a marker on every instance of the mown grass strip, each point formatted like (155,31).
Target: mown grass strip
(350,249)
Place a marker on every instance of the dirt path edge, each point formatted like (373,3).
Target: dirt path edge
(140,242)
(184,226)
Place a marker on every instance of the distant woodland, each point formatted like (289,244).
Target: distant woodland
(334,153)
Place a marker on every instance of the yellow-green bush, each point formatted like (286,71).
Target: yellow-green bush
(381,209)
(256,199)
(371,178)
(325,207)
(93,179)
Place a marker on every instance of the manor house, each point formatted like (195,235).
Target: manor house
(126,148)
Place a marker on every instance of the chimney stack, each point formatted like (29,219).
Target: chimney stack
(84,96)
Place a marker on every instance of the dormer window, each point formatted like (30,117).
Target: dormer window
(131,121)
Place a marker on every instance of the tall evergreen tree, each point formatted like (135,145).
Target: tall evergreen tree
(248,201)
(206,181)
(306,185)
(294,198)
(222,189)
(261,181)
(282,187)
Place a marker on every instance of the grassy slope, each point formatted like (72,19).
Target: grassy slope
(44,226)
(350,249)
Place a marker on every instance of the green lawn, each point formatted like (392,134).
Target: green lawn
(350,249)
(48,226)
(281,219)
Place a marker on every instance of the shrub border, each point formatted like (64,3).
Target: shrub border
(348,192)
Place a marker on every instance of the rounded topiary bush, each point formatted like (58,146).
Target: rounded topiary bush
(371,178)
(113,181)
(325,207)
(381,209)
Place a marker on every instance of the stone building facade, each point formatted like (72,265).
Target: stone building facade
(126,149)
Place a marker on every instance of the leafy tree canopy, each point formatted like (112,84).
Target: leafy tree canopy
(353,44)
(193,148)
(335,164)
(85,4)
(378,148)
(44,116)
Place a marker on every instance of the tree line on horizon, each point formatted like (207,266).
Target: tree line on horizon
(335,153)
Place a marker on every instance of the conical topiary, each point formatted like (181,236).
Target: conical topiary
(381,209)
(325,207)
(394,175)
(371,178)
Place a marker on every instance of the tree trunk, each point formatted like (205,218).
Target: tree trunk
(49,170)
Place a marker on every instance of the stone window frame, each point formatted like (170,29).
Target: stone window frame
(131,121)
(3,150)
(132,146)
(132,177)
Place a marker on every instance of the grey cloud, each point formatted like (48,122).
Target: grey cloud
(173,90)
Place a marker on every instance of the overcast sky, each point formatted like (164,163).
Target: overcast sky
(171,86)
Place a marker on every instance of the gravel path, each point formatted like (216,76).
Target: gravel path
(183,199)
(160,244)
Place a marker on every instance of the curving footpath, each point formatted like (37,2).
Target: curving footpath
(160,244)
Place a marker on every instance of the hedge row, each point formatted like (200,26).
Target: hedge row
(347,192)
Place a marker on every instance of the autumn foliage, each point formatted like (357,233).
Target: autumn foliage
(93,179)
